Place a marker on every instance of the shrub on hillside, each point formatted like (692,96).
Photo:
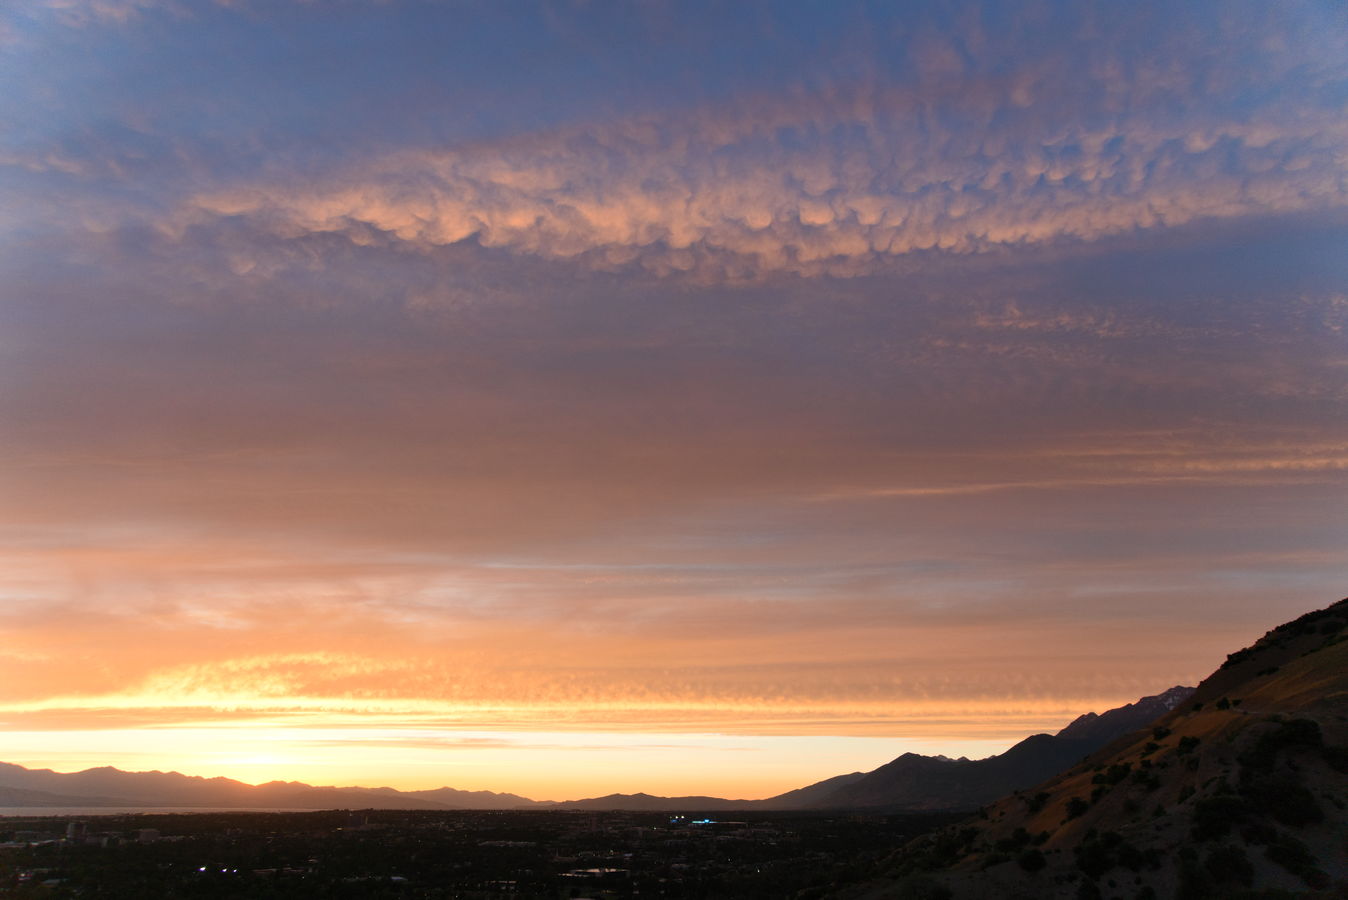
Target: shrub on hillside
(1296,734)
(1031,860)
(1228,864)
(1282,798)
(1214,816)
(1296,857)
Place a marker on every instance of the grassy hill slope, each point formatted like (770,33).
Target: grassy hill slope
(1240,792)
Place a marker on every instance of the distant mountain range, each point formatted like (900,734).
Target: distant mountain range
(1240,791)
(936,782)
(909,782)
(107,786)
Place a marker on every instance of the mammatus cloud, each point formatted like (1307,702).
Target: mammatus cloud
(835,184)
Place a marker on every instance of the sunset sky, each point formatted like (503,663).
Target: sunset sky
(690,397)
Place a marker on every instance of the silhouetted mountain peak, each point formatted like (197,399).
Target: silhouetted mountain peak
(913,781)
(1116,722)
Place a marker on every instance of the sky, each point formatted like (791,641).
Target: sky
(576,397)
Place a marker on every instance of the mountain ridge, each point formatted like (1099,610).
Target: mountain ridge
(910,781)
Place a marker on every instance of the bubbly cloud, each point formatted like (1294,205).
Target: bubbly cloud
(841,181)
(722,199)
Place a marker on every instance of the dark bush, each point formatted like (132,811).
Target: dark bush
(1337,757)
(1187,744)
(1282,798)
(1019,839)
(1258,833)
(1317,879)
(1094,859)
(1146,779)
(1088,891)
(1130,857)
(1296,857)
(921,887)
(1113,775)
(1098,853)
(1214,816)
(1296,734)
(1290,853)
(1194,883)
(1031,860)
(947,847)
(1076,806)
(1228,864)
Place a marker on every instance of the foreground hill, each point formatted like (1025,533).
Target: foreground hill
(1241,791)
